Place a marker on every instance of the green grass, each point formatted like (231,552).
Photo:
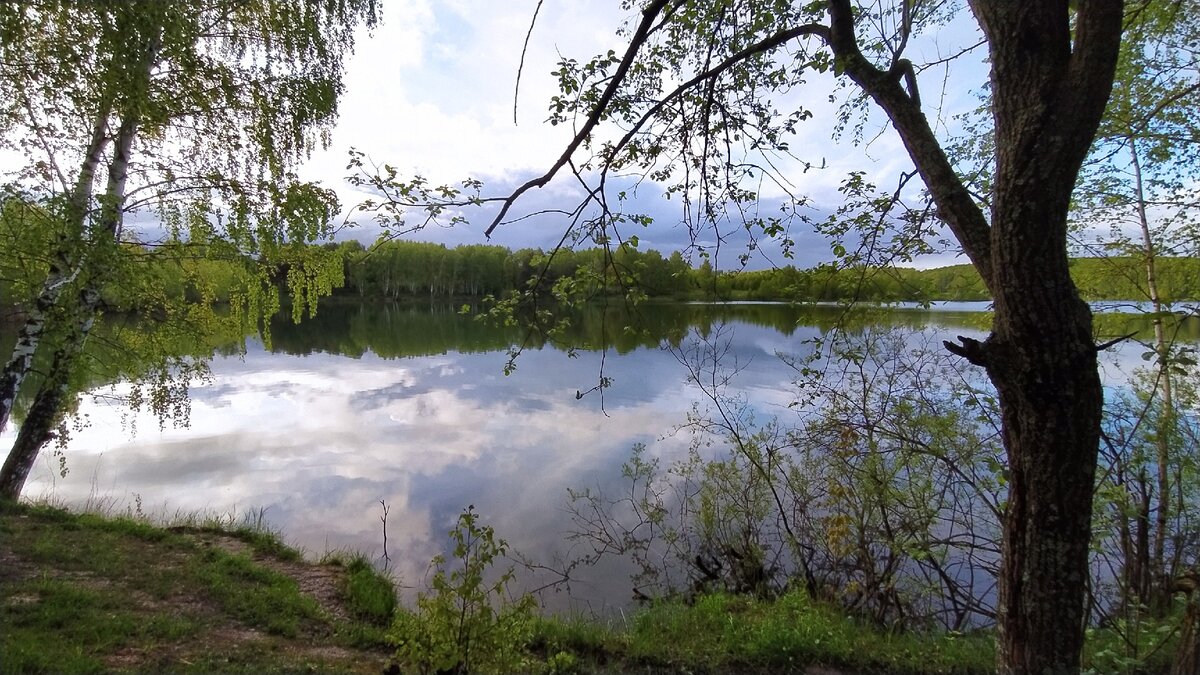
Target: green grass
(88,593)
(727,634)
(720,633)
(253,594)
(369,595)
(58,626)
(94,593)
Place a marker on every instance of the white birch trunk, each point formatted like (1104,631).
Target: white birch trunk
(63,271)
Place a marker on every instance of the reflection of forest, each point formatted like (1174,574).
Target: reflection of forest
(395,330)
(403,329)
(122,348)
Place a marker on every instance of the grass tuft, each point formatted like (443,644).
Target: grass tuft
(370,595)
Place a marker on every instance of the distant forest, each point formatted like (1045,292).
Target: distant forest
(403,269)
(406,270)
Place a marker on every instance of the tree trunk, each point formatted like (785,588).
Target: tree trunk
(64,268)
(48,402)
(1165,427)
(37,429)
(1043,363)
(1042,359)
(1051,75)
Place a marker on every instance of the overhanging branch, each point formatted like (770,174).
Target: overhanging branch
(649,15)
(763,46)
(955,204)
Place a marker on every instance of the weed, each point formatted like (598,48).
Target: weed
(465,623)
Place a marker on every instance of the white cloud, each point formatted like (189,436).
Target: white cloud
(432,90)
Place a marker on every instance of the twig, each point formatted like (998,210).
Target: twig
(521,65)
(387,560)
(1105,345)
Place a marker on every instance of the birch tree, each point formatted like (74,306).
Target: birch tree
(1138,201)
(193,113)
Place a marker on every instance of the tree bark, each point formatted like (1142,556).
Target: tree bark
(1042,361)
(48,406)
(1048,101)
(44,414)
(71,265)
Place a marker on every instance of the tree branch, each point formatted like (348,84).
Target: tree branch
(649,15)
(524,50)
(1105,345)
(972,350)
(760,47)
(954,201)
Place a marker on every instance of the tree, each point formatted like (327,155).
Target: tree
(1051,71)
(195,112)
(1141,183)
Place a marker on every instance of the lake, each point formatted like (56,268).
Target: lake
(409,405)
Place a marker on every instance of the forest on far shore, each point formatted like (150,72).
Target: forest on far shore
(407,270)
(404,269)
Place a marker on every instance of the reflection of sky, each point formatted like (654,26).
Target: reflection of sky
(319,440)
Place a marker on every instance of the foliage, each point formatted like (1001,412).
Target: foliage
(1133,644)
(1136,200)
(886,496)
(1141,177)
(192,114)
(466,622)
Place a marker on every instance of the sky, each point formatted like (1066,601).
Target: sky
(431,92)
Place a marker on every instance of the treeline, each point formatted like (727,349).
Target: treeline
(402,270)
(405,269)
(1116,278)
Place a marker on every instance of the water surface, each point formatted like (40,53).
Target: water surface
(410,406)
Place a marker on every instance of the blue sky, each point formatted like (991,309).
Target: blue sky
(431,92)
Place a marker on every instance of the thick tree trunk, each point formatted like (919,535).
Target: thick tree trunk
(1042,359)
(1051,76)
(1043,362)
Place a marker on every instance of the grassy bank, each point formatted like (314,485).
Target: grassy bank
(90,593)
(86,593)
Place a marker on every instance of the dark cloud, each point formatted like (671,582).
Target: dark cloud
(540,218)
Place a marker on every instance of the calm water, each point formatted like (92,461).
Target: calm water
(410,406)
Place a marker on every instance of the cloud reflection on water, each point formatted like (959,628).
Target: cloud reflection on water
(318,441)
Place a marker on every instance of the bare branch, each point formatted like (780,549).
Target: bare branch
(524,50)
(649,15)
(955,204)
